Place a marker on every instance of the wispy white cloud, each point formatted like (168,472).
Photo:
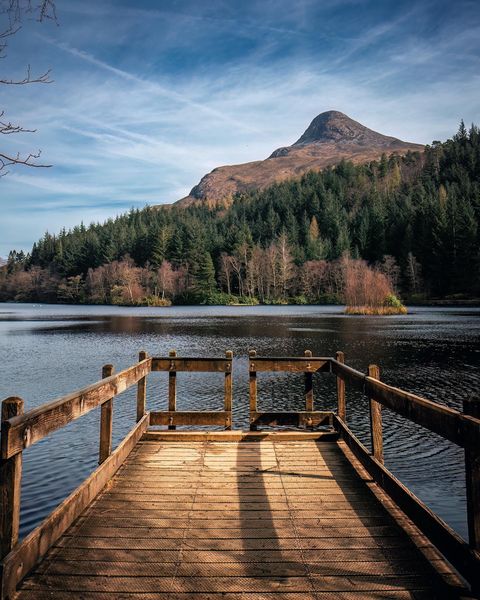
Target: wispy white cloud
(146,101)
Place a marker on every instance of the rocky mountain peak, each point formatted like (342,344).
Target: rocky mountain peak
(334,126)
(330,138)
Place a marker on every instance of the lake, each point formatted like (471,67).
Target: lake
(47,351)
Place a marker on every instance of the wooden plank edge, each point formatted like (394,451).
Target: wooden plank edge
(239,436)
(444,538)
(450,579)
(27,554)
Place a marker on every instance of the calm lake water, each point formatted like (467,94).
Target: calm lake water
(47,351)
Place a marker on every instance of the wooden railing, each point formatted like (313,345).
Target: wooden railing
(172,416)
(463,429)
(305,364)
(20,430)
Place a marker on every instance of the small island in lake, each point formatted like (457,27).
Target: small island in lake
(369,291)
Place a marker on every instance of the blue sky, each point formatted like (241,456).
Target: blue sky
(149,95)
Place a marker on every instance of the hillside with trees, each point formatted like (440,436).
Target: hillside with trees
(415,219)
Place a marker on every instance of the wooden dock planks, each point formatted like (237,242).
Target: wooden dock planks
(288,520)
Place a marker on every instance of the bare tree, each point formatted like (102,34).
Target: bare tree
(12,15)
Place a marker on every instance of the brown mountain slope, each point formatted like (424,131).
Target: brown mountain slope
(330,137)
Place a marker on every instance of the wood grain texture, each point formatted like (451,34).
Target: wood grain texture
(341,406)
(10,485)
(142,389)
(228,399)
(26,554)
(194,417)
(214,365)
(106,422)
(461,429)
(444,537)
(376,431)
(235,519)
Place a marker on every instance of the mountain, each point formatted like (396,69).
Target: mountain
(330,137)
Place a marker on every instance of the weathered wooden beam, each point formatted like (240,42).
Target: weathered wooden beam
(193,417)
(305,419)
(341,406)
(227,405)
(106,422)
(451,424)
(472,479)
(308,385)
(454,548)
(141,390)
(26,554)
(10,484)
(347,374)
(252,384)
(172,385)
(463,430)
(24,430)
(215,365)
(238,436)
(376,431)
(292,365)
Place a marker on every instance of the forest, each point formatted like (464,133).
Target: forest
(413,220)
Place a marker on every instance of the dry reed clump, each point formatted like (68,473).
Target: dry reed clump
(376,310)
(368,291)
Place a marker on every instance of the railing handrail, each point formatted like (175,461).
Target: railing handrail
(449,423)
(22,431)
(460,428)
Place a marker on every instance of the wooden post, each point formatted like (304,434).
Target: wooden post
(342,409)
(308,385)
(253,387)
(141,390)
(172,385)
(376,431)
(472,479)
(10,483)
(106,418)
(228,389)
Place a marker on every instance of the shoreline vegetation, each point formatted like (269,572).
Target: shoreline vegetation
(353,234)
(376,310)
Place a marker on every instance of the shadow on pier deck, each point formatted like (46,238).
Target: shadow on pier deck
(289,515)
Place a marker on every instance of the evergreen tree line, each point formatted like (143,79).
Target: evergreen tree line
(415,218)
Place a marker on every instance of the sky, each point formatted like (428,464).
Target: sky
(148,96)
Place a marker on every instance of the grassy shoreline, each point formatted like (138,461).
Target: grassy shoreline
(376,310)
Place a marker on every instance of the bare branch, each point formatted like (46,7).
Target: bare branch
(28,161)
(8,128)
(47,10)
(12,13)
(44,78)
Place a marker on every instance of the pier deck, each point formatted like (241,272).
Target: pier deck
(250,519)
(296,508)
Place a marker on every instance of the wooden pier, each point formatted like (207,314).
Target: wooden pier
(301,512)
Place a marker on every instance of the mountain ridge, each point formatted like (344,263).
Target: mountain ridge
(330,138)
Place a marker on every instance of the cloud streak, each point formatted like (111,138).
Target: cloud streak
(146,101)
